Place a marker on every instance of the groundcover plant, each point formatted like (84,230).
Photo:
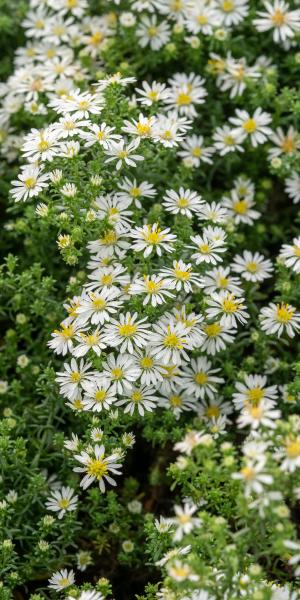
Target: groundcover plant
(150,300)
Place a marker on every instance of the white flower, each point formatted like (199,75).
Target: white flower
(292,187)
(151,237)
(114,210)
(89,341)
(285,143)
(98,395)
(62,501)
(240,209)
(184,202)
(171,554)
(255,127)
(193,152)
(170,129)
(100,134)
(73,377)
(214,212)
(226,139)
(151,93)
(177,402)
(61,580)
(148,367)
(230,309)
(290,253)
(201,17)
(181,276)
(199,378)
(127,332)
(191,440)
(121,371)
(259,414)
(62,341)
(133,191)
(290,454)
(253,390)
(168,341)
(163,524)
(97,467)
(184,520)
(143,128)
(180,571)
(231,12)
(186,91)
(154,286)
(41,145)
(151,33)
(140,398)
(30,183)
(87,595)
(220,279)
(208,250)
(279,319)
(97,307)
(123,153)
(252,266)
(254,477)
(277,16)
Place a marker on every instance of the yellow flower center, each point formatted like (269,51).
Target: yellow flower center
(96,38)
(183,275)
(43,145)
(171,340)
(175,400)
(39,24)
(127,330)
(152,286)
(240,207)
(212,412)
(153,237)
(99,303)
(152,31)
(252,267)
(204,248)
(146,362)
(184,519)
(136,396)
(284,313)
(293,448)
(109,238)
(117,373)
(228,5)
(278,18)
(152,95)
(255,412)
(135,192)
(222,282)
(100,396)
(202,19)
(200,378)
(30,183)
(64,503)
(250,125)
(71,3)
(182,202)
(143,129)
(255,395)
(230,305)
(229,140)
(183,99)
(248,473)
(288,145)
(97,468)
(75,377)
(64,581)
(212,330)
(296,251)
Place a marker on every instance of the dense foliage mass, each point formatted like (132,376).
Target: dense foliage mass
(150,300)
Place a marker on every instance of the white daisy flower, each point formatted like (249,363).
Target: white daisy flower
(257,415)
(214,212)
(254,477)
(255,127)
(208,251)
(61,580)
(73,377)
(148,367)
(152,33)
(285,143)
(184,202)
(114,210)
(97,466)
(152,93)
(100,134)
(186,92)
(31,181)
(292,187)
(156,288)
(177,403)
(63,339)
(253,391)
(151,238)
(240,209)
(199,379)
(279,319)
(220,279)
(201,17)
(62,501)
(121,371)
(168,342)
(123,153)
(217,337)
(226,139)
(98,395)
(133,191)
(184,521)
(97,307)
(277,16)
(127,332)
(181,276)
(231,12)
(252,266)
(193,151)
(290,254)
(139,398)
(106,278)
(230,309)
